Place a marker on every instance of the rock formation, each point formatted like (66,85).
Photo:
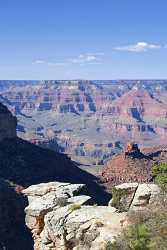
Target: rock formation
(133,165)
(131,149)
(136,196)
(60,217)
(80,115)
(130,166)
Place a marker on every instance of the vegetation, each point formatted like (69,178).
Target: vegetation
(159,173)
(117,197)
(147,232)
(75,207)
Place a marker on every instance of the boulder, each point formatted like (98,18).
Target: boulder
(145,194)
(129,192)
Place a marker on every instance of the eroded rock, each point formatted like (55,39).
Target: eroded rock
(145,194)
(59,218)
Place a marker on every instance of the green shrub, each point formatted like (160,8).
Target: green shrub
(159,173)
(117,195)
(154,171)
(148,232)
(109,246)
(134,237)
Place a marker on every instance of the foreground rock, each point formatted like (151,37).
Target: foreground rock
(84,228)
(60,217)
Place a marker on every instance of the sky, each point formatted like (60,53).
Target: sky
(83,39)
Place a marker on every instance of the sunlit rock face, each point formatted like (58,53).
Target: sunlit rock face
(61,216)
(7,123)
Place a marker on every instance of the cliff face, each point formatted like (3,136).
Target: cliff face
(61,216)
(8,123)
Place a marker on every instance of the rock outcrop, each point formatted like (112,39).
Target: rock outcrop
(136,196)
(132,149)
(130,166)
(60,218)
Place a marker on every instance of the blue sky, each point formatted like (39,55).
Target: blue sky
(85,39)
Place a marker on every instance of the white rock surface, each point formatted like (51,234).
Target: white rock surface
(127,185)
(88,227)
(71,226)
(60,190)
(145,194)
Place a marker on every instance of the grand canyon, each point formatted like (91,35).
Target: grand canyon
(90,121)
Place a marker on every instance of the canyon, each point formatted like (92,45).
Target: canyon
(90,121)
(67,208)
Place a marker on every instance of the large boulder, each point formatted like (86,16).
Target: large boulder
(58,188)
(144,195)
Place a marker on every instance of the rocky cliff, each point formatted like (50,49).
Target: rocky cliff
(61,216)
